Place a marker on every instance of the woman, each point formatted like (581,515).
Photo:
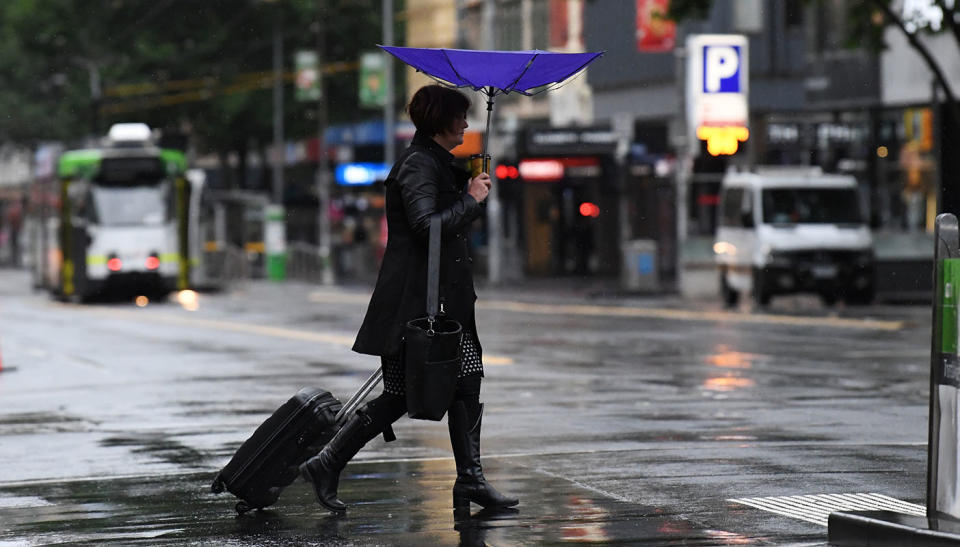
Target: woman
(423,181)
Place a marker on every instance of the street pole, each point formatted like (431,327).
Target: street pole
(494,243)
(681,169)
(389,121)
(278,110)
(275,236)
(323,160)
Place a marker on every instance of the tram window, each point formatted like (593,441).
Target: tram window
(130,171)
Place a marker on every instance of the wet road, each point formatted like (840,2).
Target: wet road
(642,421)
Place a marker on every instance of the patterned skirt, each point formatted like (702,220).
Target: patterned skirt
(394,378)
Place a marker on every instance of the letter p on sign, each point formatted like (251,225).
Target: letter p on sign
(721,69)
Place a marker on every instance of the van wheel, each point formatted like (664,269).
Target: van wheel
(761,290)
(729,294)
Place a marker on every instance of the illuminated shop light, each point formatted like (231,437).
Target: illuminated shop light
(542,170)
(722,140)
(361,174)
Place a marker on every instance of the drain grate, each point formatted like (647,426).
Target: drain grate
(816,508)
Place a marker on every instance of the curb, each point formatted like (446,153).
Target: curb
(887,528)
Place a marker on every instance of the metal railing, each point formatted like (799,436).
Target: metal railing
(303,262)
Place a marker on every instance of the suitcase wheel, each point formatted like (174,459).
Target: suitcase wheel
(242,507)
(217,485)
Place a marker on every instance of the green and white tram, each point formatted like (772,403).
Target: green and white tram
(122,220)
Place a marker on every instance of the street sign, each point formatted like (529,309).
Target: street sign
(718,88)
(307,80)
(373,79)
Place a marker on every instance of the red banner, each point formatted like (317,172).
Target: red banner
(655,33)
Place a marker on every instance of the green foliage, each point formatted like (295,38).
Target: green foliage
(69,68)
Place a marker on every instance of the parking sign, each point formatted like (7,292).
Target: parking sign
(717,81)
(721,69)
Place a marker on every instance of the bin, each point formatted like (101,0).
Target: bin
(639,272)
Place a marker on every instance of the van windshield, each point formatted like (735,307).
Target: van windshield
(811,206)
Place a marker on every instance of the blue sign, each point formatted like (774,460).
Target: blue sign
(361,174)
(721,69)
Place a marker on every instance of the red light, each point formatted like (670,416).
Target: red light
(114,264)
(153,263)
(588,209)
(708,199)
(507,172)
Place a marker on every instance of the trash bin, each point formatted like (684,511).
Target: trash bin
(639,272)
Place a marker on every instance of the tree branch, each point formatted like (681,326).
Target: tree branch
(948,14)
(924,52)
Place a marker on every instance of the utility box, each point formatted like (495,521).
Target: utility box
(639,271)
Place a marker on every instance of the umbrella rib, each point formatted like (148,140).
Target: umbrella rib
(563,81)
(525,69)
(454,69)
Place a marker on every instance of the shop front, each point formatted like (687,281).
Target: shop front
(566,197)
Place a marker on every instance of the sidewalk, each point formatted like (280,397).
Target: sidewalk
(398,503)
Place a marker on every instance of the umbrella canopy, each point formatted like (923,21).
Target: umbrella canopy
(494,72)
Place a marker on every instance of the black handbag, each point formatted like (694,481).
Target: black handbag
(431,347)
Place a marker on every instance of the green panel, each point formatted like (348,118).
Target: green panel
(949,276)
(174,160)
(277,266)
(79,163)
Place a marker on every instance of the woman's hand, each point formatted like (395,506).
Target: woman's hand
(479,187)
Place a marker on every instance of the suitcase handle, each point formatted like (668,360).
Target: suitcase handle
(358,397)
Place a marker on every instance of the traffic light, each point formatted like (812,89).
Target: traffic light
(588,209)
(505,172)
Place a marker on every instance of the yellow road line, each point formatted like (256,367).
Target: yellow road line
(260,330)
(646,313)
(690,315)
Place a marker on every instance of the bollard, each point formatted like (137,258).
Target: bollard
(943,480)
(941,526)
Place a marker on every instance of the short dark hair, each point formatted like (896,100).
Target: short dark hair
(433,108)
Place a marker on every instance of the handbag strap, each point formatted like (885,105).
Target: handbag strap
(433,270)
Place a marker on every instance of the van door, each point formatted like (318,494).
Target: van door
(736,237)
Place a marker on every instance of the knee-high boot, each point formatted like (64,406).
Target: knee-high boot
(323,470)
(471,486)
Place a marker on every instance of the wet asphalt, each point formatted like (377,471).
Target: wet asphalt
(616,418)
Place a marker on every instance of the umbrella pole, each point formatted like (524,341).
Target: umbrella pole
(486,133)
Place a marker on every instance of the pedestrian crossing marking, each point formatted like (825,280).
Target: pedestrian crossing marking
(816,508)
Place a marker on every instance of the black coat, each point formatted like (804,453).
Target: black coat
(422,182)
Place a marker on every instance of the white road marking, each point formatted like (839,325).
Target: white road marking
(816,508)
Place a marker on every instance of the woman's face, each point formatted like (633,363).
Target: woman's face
(453,136)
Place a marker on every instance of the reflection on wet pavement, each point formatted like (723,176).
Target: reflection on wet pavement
(390,503)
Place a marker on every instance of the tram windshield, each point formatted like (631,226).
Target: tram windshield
(130,206)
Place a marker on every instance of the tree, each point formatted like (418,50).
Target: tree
(68,68)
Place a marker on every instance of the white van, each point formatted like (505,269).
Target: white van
(788,230)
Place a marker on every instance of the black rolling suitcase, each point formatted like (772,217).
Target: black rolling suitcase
(268,461)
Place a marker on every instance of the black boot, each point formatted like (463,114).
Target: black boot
(323,470)
(471,486)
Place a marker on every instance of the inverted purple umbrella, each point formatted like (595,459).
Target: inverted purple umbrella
(494,72)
